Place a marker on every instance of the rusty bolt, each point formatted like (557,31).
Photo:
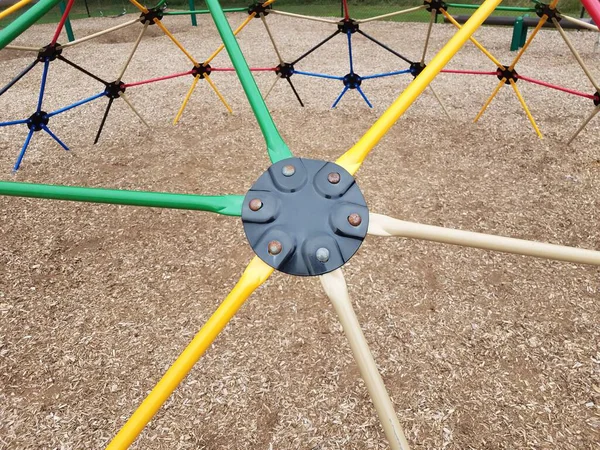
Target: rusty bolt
(354,219)
(322,254)
(334,178)
(256,204)
(288,170)
(275,247)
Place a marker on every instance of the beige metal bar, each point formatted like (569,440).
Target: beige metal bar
(21,48)
(271,88)
(397,13)
(264,21)
(337,291)
(124,97)
(135,46)
(439,100)
(581,23)
(576,54)
(584,124)
(380,225)
(300,16)
(100,33)
(431,21)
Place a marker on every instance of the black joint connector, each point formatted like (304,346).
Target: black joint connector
(543,9)
(259,9)
(148,18)
(202,70)
(435,5)
(508,74)
(38,120)
(348,26)
(352,80)
(50,52)
(115,89)
(284,70)
(597,99)
(416,68)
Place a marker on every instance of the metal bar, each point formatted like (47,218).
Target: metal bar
(214,88)
(135,111)
(382,45)
(271,88)
(524,105)
(55,137)
(21,154)
(336,289)
(24,72)
(300,58)
(537,28)
(22,48)
(468,72)
(264,21)
(350,51)
(387,74)
(255,274)
(385,16)
(581,23)
(345,9)
(558,88)
(428,36)
(300,16)
(192,14)
(439,100)
(13,8)
(100,33)
(154,80)
(354,157)
(584,124)
(133,50)
(498,8)
(276,146)
(175,41)
(228,205)
(337,100)
(490,98)
(103,121)
(295,92)
(362,94)
(246,21)
(43,85)
(318,75)
(68,27)
(576,54)
(13,122)
(381,225)
(76,104)
(81,69)
(186,99)
(62,21)
(201,11)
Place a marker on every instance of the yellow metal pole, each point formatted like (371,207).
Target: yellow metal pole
(214,88)
(236,31)
(524,105)
(255,274)
(11,9)
(489,100)
(354,157)
(186,99)
(538,27)
(473,40)
(175,41)
(139,6)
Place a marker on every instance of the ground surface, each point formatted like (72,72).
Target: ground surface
(479,350)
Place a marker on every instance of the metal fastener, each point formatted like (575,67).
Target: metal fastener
(334,178)
(322,254)
(255,204)
(354,219)
(288,170)
(275,247)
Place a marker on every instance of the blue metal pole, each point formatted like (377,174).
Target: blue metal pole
(13,122)
(337,100)
(350,51)
(43,85)
(76,104)
(364,96)
(318,75)
(53,136)
(22,153)
(386,74)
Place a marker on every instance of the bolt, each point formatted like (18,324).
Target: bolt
(334,178)
(255,204)
(354,219)
(322,254)
(275,247)
(288,170)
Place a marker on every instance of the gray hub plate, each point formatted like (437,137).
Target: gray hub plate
(305,212)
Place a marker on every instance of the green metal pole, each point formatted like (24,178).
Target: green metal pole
(517,33)
(229,205)
(276,147)
(202,11)
(193,15)
(68,28)
(24,21)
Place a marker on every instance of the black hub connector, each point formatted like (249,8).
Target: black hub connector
(543,9)
(435,5)
(416,68)
(348,26)
(202,70)
(597,99)
(148,18)
(509,74)
(259,9)
(115,89)
(284,70)
(50,52)
(38,120)
(352,80)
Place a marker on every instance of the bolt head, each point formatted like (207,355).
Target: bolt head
(322,255)
(288,170)
(275,248)
(255,204)
(334,178)
(354,219)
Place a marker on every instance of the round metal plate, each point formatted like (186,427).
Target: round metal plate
(301,225)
